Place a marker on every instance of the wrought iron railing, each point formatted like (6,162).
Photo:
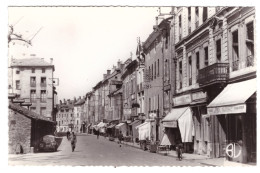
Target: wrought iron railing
(215,73)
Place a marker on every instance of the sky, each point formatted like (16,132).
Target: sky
(83,41)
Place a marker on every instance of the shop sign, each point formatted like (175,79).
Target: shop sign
(227,109)
(233,150)
(171,124)
(182,100)
(127,111)
(198,95)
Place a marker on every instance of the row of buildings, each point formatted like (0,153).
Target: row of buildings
(192,80)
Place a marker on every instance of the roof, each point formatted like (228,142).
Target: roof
(27,112)
(80,102)
(36,62)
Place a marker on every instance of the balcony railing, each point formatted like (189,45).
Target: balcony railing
(33,84)
(213,74)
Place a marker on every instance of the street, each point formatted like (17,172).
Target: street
(91,151)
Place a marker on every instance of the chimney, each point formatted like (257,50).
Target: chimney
(60,102)
(79,97)
(108,72)
(51,60)
(118,63)
(114,67)
(33,55)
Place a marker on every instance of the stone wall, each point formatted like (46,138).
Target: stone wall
(19,132)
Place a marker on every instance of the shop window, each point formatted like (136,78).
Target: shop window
(250,44)
(235,51)
(234,128)
(218,50)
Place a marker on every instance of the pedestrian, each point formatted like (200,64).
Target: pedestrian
(73,141)
(97,133)
(179,148)
(68,135)
(120,138)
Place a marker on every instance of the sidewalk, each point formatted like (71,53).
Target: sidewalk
(204,160)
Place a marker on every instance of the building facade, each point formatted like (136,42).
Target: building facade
(32,80)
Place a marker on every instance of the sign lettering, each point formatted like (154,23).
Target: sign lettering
(227,109)
(233,150)
(181,100)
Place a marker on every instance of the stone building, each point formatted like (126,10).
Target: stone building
(26,128)
(157,51)
(32,80)
(65,116)
(79,115)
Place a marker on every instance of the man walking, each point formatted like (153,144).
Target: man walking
(68,135)
(73,141)
(97,133)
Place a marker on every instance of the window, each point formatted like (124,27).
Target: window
(206,53)
(17,72)
(43,81)
(189,20)
(17,84)
(43,70)
(33,96)
(196,17)
(33,81)
(43,95)
(152,73)
(190,71)
(158,73)
(250,44)
(33,109)
(205,13)
(33,70)
(218,50)
(197,64)
(235,51)
(155,70)
(180,74)
(149,104)
(150,77)
(180,30)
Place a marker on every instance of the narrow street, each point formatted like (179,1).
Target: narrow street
(97,152)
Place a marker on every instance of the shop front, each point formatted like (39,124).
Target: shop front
(121,127)
(234,111)
(179,127)
(134,131)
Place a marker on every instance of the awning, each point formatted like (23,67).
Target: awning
(232,99)
(120,125)
(144,131)
(134,122)
(111,126)
(165,140)
(101,125)
(199,102)
(184,118)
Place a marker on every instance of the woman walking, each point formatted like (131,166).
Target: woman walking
(73,141)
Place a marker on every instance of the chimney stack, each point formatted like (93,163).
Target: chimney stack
(60,102)
(108,72)
(118,63)
(51,60)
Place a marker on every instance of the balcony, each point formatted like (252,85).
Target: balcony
(33,84)
(213,74)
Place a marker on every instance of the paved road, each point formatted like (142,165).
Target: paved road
(102,152)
